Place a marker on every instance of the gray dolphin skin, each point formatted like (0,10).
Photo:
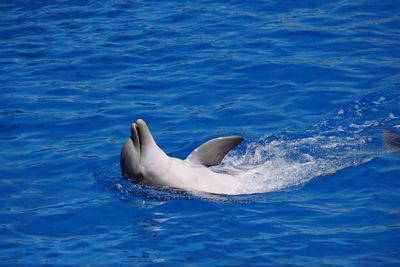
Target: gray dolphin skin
(142,159)
(392,140)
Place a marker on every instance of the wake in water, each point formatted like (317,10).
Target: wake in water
(289,158)
(354,136)
(271,166)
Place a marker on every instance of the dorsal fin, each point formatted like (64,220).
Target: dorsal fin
(212,152)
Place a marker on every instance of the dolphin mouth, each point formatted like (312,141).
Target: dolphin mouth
(138,133)
(135,136)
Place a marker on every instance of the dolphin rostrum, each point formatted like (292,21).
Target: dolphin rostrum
(141,158)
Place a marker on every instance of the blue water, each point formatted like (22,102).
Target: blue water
(309,84)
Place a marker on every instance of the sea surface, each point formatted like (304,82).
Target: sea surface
(310,85)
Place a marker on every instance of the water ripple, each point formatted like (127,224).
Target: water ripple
(309,85)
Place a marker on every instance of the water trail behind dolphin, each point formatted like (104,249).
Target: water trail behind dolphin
(288,158)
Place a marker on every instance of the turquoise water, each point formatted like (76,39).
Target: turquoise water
(309,85)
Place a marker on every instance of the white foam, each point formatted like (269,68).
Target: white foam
(278,164)
(379,101)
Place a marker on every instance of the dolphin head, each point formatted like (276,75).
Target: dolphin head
(138,151)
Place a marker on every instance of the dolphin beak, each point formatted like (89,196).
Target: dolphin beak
(130,154)
(135,136)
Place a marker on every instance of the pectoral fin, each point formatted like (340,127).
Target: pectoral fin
(212,152)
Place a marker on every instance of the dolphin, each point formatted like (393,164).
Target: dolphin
(141,158)
(392,140)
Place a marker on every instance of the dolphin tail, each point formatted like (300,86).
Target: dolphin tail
(392,140)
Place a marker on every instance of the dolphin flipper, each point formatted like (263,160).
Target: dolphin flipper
(212,152)
(392,139)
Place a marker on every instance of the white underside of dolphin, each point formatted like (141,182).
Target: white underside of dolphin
(142,159)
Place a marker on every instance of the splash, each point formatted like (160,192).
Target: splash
(352,137)
(277,165)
